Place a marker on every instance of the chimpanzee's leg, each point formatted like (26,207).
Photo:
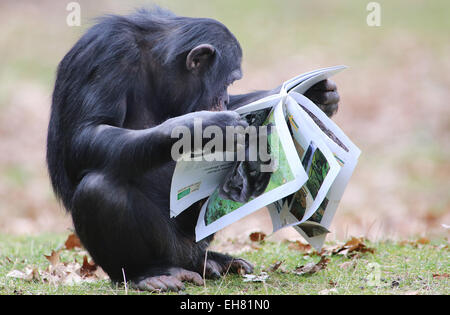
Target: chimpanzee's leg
(129,236)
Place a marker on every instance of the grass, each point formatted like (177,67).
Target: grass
(403,269)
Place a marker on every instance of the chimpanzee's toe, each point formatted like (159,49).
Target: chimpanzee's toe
(159,284)
(241,266)
(172,282)
(220,264)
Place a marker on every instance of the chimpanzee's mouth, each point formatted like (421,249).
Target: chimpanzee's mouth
(218,108)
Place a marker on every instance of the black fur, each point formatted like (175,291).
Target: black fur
(118,94)
(109,142)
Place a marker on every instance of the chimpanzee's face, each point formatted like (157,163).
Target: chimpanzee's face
(210,71)
(221,100)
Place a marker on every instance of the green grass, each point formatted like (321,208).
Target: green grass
(403,269)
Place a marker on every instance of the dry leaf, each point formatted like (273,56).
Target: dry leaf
(59,272)
(352,246)
(297,245)
(420,241)
(88,268)
(71,278)
(423,241)
(440,276)
(275,266)
(403,243)
(72,242)
(257,236)
(54,258)
(101,274)
(312,268)
(28,274)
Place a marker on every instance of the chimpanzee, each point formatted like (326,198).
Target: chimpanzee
(119,93)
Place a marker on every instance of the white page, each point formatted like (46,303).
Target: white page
(347,158)
(241,210)
(303,82)
(196,180)
(306,139)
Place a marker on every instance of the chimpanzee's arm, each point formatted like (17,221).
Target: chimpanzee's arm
(123,151)
(131,152)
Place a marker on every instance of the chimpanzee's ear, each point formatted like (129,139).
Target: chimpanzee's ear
(199,57)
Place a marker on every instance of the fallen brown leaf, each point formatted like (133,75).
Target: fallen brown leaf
(440,276)
(54,258)
(257,236)
(72,242)
(101,274)
(352,246)
(423,241)
(297,245)
(59,272)
(420,241)
(88,268)
(29,274)
(275,266)
(312,268)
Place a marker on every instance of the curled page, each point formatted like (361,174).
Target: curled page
(346,154)
(287,177)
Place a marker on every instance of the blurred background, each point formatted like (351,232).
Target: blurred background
(393,101)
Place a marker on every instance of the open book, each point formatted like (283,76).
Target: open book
(311,163)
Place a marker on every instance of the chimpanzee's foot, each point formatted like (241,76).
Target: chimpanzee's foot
(172,282)
(219,264)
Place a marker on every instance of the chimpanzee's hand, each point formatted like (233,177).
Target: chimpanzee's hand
(221,119)
(199,121)
(324,94)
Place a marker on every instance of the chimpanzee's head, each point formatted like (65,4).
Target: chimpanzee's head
(199,59)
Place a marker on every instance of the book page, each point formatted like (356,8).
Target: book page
(196,180)
(287,178)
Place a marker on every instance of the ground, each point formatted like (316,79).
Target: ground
(392,268)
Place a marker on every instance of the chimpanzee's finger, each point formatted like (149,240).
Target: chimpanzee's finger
(191,276)
(325,98)
(143,286)
(329,109)
(172,283)
(241,266)
(325,85)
